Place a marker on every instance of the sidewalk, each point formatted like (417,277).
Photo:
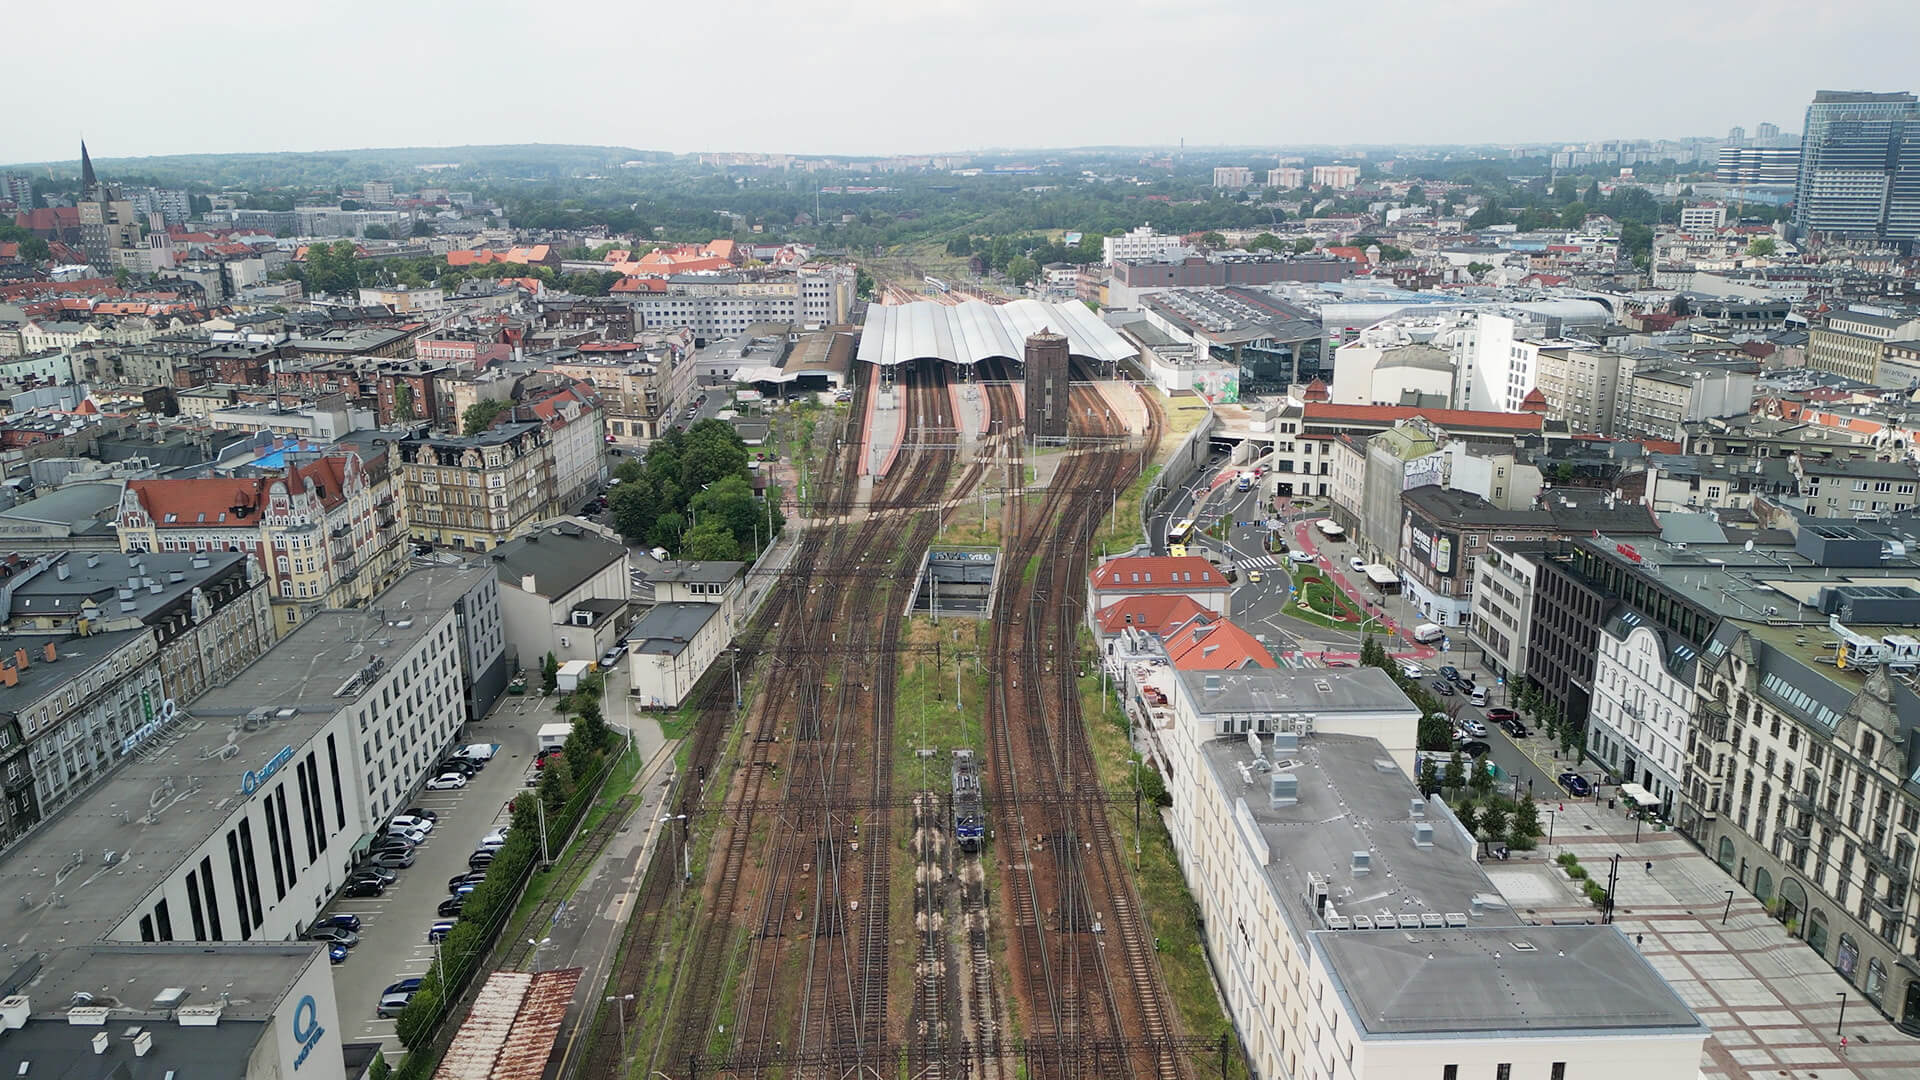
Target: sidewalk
(1772,1002)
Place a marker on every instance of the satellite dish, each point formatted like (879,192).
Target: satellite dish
(1749,545)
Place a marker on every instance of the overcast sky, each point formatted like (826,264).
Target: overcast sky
(903,76)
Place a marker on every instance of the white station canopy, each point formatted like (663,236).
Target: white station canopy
(973,331)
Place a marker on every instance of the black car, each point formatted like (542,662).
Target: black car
(383,874)
(450,907)
(480,860)
(344,922)
(1514,728)
(1474,748)
(390,843)
(473,877)
(1442,687)
(460,765)
(363,887)
(415,811)
(1450,673)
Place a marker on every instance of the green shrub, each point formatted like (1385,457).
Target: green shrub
(1577,872)
(1567,858)
(1596,893)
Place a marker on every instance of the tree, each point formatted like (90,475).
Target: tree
(591,727)
(1021,269)
(1487,215)
(556,782)
(1525,827)
(1372,653)
(377,231)
(1212,240)
(1469,816)
(1574,215)
(862,283)
(403,403)
(121,275)
(422,227)
(1481,782)
(1456,774)
(709,541)
(1429,777)
(331,268)
(1303,245)
(1494,819)
(710,451)
(668,531)
(1435,733)
(1266,241)
(1416,196)
(1762,246)
(481,414)
(1478,270)
(550,673)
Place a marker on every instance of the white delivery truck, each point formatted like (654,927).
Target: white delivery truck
(1427,633)
(554,735)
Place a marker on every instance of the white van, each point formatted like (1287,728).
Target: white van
(1427,633)
(1478,697)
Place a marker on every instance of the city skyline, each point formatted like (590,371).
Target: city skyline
(827,87)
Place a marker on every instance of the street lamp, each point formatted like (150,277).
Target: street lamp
(686,865)
(1551,817)
(620,1012)
(537,946)
(1729,909)
(1837,1027)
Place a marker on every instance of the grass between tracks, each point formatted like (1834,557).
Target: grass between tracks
(1171,915)
(619,781)
(1121,529)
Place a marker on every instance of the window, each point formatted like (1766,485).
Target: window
(1503,1071)
(1559,1071)
(1449,1072)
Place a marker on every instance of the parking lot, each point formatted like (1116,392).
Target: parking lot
(393,931)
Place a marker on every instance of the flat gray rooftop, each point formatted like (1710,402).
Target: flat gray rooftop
(666,629)
(1522,980)
(1353,798)
(1289,690)
(255,976)
(158,807)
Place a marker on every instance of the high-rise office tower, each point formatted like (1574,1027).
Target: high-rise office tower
(1766,134)
(1737,136)
(1860,167)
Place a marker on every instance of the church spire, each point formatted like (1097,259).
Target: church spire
(88,181)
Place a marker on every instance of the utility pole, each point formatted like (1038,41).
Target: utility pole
(540,807)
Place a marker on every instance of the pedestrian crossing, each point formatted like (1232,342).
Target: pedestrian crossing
(1258,562)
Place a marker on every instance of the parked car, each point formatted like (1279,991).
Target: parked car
(1501,716)
(392,860)
(336,953)
(344,922)
(413,835)
(409,823)
(1474,748)
(1575,783)
(1300,556)
(383,875)
(449,781)
(335,934)
(450,906)
(496,837)
(392,1005)
(1339,663)
(464,889)
(1450,673)
(440,928)
(419,812)
(463,766)
(613,656)
(404,986)
(1441,687)
(1473,727)
(1357,563)
(1514,728)
(390,844)
(471,877)
(363,887)
(480,860)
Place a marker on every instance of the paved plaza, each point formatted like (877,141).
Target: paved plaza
(1772,1002)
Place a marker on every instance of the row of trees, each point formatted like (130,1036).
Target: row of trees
(693,495)
(1436,726)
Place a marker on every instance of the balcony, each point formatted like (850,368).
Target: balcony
(1883,861)
(1826,817)
(1801,801)
(1886,910)
(1795,835)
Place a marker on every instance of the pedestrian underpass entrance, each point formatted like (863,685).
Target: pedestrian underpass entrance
(957,580)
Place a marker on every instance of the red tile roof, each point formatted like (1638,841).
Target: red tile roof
(199,502)
(1216,645)
(1158,614)
(1446,418)
(1156,573)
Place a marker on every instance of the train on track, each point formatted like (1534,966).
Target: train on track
(969,820)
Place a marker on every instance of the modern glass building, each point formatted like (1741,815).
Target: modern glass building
(1860,167)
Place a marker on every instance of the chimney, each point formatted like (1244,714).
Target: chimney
(61,571)
(100,1042)
(50,652)
(142,1044)
(20,659)
(9,676)
(93,561)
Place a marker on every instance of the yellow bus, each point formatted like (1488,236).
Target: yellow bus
(1180,531)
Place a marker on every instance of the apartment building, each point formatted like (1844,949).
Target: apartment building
(1707,217)
(1856,344)
(1504,580)
(564,589)
(1329,890)
(1643,705)
(1808,753)
(576,426)
(72,708)
(1286,178)
(717,305)
(477,492)
(1338,177)
(208,610)
(313,528)
(1581,385)
(1659,397)
(1142,243)
(1852,487)
(1232,176)
(629,383)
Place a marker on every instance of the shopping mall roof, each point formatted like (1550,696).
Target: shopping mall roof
(973,331)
